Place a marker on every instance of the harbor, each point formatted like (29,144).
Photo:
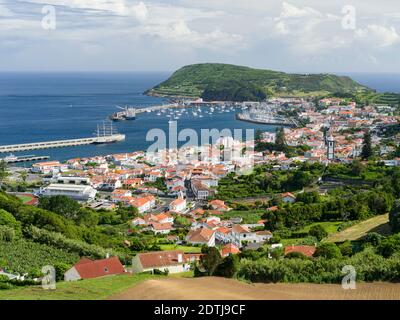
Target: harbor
(130,113)
(104,134)
(265,113)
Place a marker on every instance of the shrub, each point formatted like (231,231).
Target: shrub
(295,255)
(6,233)
(346,248)
(229,266)
(328,251)
(318,231)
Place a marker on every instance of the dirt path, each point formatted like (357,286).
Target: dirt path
(376,224)
(213,288)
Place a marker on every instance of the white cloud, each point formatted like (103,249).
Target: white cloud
(290,11)
(376,35)
(179,32)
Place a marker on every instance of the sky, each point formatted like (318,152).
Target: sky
(150,35)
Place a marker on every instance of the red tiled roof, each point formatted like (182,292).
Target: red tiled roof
(229,249)
(92,269)
(306,250)
(200,235)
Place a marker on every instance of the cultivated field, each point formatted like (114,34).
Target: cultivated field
(376,224)
(229,289)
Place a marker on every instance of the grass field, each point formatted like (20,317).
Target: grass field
(186,249)
(376,224)
(91,289)
(26,199)
(330,227)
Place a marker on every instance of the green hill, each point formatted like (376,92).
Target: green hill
(213,81)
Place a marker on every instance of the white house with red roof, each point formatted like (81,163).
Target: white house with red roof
(202,236)
(178,205)
(173,261)
(87,269)
(160,228)
(138,222)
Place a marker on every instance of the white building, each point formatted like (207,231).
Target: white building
(178,205)
(76,192)
(174,261)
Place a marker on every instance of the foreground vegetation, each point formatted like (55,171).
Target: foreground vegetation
(90,289)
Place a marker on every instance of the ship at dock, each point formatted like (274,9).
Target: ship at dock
(264,115)
(128,113)
(107,133)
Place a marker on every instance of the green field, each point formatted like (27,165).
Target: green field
(376,224)
(186,249)
(330,227)
(25,199)
(91,289)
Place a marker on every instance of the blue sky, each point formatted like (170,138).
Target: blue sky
(150,35)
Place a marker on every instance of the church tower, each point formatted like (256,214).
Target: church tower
(330,147)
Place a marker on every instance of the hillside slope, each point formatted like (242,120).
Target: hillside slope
(213,81)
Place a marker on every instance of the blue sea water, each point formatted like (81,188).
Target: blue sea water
(53,106)
(381,82)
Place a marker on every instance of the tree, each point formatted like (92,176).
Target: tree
(373,238)
(346,248)
(60,268)
(318,231)
(328,250)
(394,217)
(229,267)
(210,260)
(367,152)
(7,219)
(389,245)
(280,140)
(61,205)
(357,168)
(23,175)
(3,171)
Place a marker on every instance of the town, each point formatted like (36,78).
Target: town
(169,205)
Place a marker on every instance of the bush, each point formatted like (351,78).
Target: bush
(346,248)
(229,267)
(6,233)
(58,240)
(373,238)
(318,231)
(328,251)
(295,255)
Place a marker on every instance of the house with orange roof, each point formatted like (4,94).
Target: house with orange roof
(178,205)
(306,250)
(117,194)
(201,236)
(143,204)
(219,205)
(228,249)
(160,228)
(138,222)
(163,218)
